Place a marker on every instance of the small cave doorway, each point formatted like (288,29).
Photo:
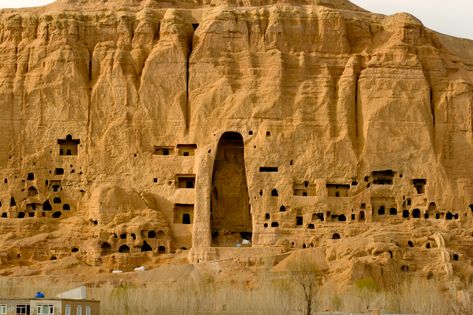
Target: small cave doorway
(124,249)
(146,247)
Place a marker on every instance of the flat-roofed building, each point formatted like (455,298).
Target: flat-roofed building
(72,302)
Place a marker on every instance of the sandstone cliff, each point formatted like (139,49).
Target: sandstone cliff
(137,131)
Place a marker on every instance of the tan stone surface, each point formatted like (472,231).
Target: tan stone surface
(349,113)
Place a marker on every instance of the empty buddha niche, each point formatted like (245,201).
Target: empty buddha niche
(230,209)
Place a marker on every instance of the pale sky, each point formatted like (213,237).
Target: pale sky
(23,3)
(453,17)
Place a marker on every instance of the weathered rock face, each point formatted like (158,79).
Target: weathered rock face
(145,129)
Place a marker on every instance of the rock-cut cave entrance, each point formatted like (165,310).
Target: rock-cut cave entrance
(230,209)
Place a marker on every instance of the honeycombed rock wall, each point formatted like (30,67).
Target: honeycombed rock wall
(355,130)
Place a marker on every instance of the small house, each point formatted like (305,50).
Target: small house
(72,302)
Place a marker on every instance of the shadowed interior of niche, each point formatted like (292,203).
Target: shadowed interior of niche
(230,209)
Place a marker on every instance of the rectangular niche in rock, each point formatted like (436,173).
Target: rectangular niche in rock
(338,190)
(383,177)
(185,181)
(183,213)
(163,150)
(268,169)
(186,149)
(419,185)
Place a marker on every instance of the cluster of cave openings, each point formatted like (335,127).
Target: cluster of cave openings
(124,248)
(144,248)
(182,150)
(183,213)
(40,210)
(68,146)
(416,214)
(230,208)
(430,214)
(382,210)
